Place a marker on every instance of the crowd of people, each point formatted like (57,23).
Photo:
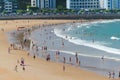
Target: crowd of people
(44,49)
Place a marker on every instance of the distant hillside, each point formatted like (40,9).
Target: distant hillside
(61,3)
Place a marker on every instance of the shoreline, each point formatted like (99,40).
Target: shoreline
(67,53)
(87,63)
(47,67)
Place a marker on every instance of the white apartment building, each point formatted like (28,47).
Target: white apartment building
(93,4)
(111,4)
(8,7)
(44,3)
(83,4)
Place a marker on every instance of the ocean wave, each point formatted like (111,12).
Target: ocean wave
(83,25)
(93,23)
(114,38)
(105,21)
(97,45)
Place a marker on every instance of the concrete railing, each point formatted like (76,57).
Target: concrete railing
(80,16)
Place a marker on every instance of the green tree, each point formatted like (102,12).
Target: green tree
(34,9)
(20,11)
(61,3)
(60,7)
(3,12)
(106,10)
(22,4)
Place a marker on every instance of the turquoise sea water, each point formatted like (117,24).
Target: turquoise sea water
(102,35)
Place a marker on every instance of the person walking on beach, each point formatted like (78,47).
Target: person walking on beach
(64,60)
(16,68)
(9,50)
(119,75)
(102,58)
(57,55)
(70,60)
(109,75)
(62,43)
(22,61)
(76,57)
(17,61)
(79,63)
(48,57)
(77,60)
(23,68)
(11,45)
(34,56)
(28,54)
(113,75)
(63,67)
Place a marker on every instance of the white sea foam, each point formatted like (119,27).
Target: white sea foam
(96,45)
(114,38)
(105,21)
(70,28)
(89,24)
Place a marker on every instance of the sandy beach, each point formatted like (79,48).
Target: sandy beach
(35,69)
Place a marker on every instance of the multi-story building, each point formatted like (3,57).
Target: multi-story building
(14,6)
(93,4)
(1,5)
(83,4)
(34,3)
(8,6)
(111,4)
(44,3)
